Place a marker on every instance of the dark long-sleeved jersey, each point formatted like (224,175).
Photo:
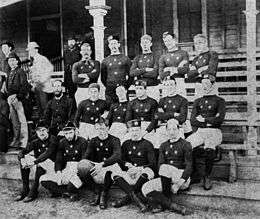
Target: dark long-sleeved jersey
(174,59)
(59,111)
(171,105)
(139,65)
(210,107)
(43,150)
(90,68)
(88,111)
(107,150)
(117,113)
(70,151)
(17,83)
(139,153)
(115,71)
(144,110)
(177,154)
(207,59)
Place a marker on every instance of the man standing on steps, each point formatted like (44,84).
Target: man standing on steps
(44,148)
(207,115)
(71,56)
(115,70)
(175,166)
(138,166)
(85,72)
(175,63)
(17,89)
(145,67)
(40,77)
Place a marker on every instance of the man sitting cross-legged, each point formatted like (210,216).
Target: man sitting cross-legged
(175,166)
(44,148)
(70,151)
(138,164)
(104,152)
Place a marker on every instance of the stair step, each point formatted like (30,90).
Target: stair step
(11,157)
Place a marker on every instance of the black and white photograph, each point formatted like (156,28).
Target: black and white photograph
(129,109)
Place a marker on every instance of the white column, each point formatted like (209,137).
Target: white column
(204,18)
(175,19)
(125,27)
(251,13)
(98,9)
(144,17)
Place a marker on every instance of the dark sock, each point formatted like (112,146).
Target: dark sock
(25,173)
(108,181)
(142,180)
(123,184)
(158,198)
(34,190)
(53,187)
(210,156)
(166,186)
(71,188)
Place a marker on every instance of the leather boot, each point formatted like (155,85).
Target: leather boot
(103,200)
(159,198)
(138,202)
(166,186)
(122,202)
(96,200)
(25,179)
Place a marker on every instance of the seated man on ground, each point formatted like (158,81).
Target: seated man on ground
(175,167)
(207,115)
(138,165)
(44,148)
(65,179)
(104,152)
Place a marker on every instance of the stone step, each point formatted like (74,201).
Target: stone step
(11,157)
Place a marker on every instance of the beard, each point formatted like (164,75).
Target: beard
(57,94)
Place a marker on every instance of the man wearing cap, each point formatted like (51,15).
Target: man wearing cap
(6,47)
(205,63)
(117,114)
(85,72)
(175,166)
(104,151)
(115,69)
(207,115)
(59,110)
(89,110)
(40,75)
(70,151)
(174,63)
(138,165)
(171,106)
(144,109)
(71,56)
(17,89)
(44,148)
(145,67)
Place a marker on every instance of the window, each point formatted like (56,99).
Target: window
(189,18)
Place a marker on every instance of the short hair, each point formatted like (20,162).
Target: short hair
(200,36)
(141,83)
(58,80)
(175,121)
(147,37)
(86,44)
(94,85)
(9,44)
(165,34)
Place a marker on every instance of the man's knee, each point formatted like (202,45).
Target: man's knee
(152,185)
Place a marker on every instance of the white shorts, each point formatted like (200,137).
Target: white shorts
(132,180)
(100,177)
(69,175)
(87,130)
(210,137)
(153,92)
(81,94)
(47,165)
(167,171)
(118,130)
